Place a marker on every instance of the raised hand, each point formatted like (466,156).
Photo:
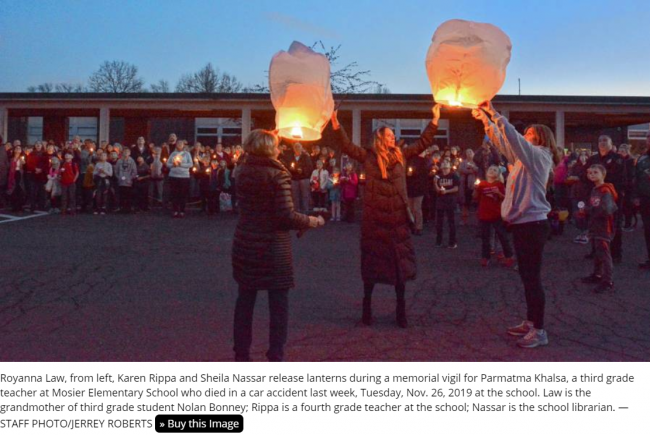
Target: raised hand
(335,120)
(480,115)
(436,113)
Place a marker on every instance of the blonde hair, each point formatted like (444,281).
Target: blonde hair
(382,150)
(261,143)
(547,140)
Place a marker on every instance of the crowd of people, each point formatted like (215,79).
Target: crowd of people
(522,189)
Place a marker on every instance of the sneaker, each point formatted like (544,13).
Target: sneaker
(175,215)
(103,213)
(181,215)
(628,229)
(485,262)
(581,239)
(591,279)
(522,329)
(453,246)
(508,262)
(604,287)
(95,212)
(645,265)
(534,338)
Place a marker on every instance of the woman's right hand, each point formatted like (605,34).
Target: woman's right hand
(335,120)
(480,115)
(488,107)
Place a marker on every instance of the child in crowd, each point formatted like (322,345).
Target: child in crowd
(103,173)
(349,186)
(213,188)
(334,187)
(490,193)
(223,184)
(53,185)
(600,209)
(157,177)
(142,184)
(88,184)
(318,183)
(446,185)
(126,173)
(114,192)
(69,174)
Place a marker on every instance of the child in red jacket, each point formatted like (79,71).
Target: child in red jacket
(490,194)
(600,210)
(69,174)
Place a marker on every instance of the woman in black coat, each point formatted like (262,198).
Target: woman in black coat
(387,254)
(261,252)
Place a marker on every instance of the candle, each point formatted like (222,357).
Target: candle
(207,171)
(410,171)
(165,160)
(362,176)
(194,169)
(477,182)
(293,165)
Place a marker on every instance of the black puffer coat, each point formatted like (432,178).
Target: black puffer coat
(261,252)
(387,254)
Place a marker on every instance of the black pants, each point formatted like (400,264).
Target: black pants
(348,210)
(142,194)
(645,215)
(400,290)
(529,241)
(319,199)
(125,199)
(279,321)
(36,191)
(628,209)
(617,241)
(180,190)
(486,237)
(213,202)
(451,220)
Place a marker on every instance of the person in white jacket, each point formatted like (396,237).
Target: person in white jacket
(525,209)
(318,182)
(179,164)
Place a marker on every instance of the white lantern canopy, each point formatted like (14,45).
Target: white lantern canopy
(299,80)
(466,62)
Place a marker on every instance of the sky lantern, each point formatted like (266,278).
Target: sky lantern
(299,80)
(466,62)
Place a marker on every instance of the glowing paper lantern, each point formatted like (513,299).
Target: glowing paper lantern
(299,80)
(466,62)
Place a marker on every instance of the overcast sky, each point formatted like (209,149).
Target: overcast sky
(577,47)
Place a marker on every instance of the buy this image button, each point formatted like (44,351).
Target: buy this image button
(205,423)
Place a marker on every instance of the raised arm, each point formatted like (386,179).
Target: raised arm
(427,138)
(346,146)
(494,135)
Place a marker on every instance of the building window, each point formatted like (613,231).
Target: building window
(638,132)
(34,129)
(411,129)
(84,127)
(211,131)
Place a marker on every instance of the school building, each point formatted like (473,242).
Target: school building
(226,118)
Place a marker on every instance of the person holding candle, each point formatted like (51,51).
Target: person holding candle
(447,186)
(126,172)
(416,185)
(334,188)
(349,191)
(387,253)
(525,209)
(157,177)
(300,167)
(318,184)
(468,175)
(261,252)
(490,193)
(179,164)
(102,172)
(69,176)
(16,181)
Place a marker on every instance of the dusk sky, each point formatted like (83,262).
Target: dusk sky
(575,47)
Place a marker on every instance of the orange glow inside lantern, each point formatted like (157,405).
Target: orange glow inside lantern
(299,80)
(466,63)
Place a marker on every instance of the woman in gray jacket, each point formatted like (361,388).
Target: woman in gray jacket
(179,164)
(125,172)
(525,209)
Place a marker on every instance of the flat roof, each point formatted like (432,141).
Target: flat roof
(143,96)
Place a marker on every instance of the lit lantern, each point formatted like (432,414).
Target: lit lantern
(477,182)
(299,80)
(466,62)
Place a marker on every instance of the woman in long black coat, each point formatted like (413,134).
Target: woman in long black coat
(387,254)
(261,252)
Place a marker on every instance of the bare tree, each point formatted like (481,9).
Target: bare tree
(69,87)
(209,80)
(161,87)
(116,77)
(345,80)
(44,88)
